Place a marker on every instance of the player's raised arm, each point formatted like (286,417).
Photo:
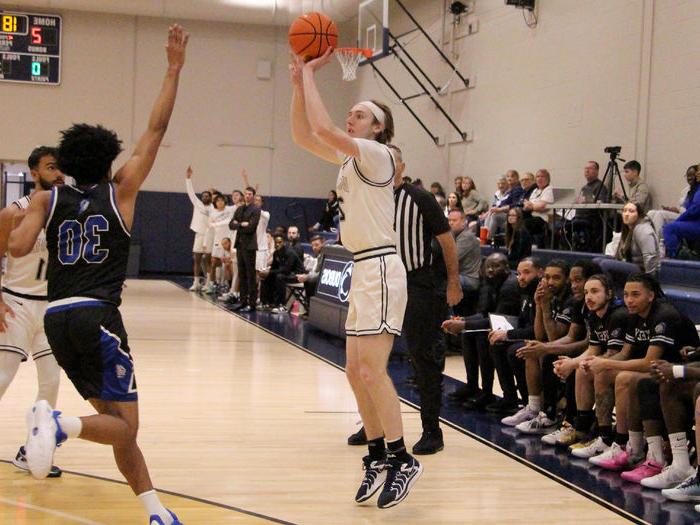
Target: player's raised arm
(24,235)
(319,120)
(301,130)
(130,177)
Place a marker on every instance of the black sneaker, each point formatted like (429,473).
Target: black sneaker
(480,402)
(503,406)
(375,475)
(429,443)
(20,462)
(463,393)
(358,438)
(400,478)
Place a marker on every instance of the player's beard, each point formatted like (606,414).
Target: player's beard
(45,185)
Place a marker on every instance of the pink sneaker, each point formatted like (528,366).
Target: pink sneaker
(646,470)
(619,460)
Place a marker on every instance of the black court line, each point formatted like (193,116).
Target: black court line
(179,495)
(592,497)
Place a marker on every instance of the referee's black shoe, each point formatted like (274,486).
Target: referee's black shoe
(358,438)
(429,443)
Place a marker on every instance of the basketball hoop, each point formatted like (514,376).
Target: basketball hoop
(349,58)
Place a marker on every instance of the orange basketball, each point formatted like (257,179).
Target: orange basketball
(311,34)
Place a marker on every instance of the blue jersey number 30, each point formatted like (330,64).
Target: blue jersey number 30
(76,240)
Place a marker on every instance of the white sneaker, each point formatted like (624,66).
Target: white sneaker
(279,310)
(196,286)
(607,455)
(43,432)
(669,477)
(565,433)
(522,415)
(589,449)
(687,491)
(540,424)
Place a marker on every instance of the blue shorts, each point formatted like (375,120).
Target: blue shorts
(90,344)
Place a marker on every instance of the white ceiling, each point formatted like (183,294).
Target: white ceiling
(266,12)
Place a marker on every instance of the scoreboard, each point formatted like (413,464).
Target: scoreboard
(30,48)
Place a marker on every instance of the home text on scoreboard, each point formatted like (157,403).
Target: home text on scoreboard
(30,48)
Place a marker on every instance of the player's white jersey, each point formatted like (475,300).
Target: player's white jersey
(261,232)
(218,220)
(366,194)
(27,275)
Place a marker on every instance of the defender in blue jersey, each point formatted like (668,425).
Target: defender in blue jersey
(87,234)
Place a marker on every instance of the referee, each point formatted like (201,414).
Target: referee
(419,219)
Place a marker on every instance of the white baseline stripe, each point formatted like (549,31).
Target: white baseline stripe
(58,513)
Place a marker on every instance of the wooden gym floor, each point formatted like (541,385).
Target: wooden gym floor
(240,426)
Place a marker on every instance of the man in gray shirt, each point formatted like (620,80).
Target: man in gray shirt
(468,252)
(638,190)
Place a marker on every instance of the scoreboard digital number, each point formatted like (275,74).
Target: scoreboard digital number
(30,48)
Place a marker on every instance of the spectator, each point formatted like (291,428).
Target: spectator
(468,252)
(638,243)
(496,222)
(311,278)
(200,226)
(245,221)
(668,214)
(518,240)
(498,293)
(491,218)
(686,227)
(458,185)
(406,179)
(436,188)
(473,203)
(285,267)
(587,225)
(638,190)
(294,241)
(326,222)
(537,205)
(453,203)
(527,181)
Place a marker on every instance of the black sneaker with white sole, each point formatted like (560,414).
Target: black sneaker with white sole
(375,475)
(399,479)
(20,462)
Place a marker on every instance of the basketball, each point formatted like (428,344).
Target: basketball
(311,34)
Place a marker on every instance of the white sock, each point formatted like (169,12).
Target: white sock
(152,504)
(656,450)
(679,449)
(535,403)
(71,426)
(636,443)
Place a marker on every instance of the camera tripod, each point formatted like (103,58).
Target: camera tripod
(612,173)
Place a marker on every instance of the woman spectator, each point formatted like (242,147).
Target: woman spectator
(453,203)
(436,188)
(472,201)
(639,243)
(518,240)
(536,206)
(488,217)
(327,220)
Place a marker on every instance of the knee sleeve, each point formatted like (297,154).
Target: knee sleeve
(9,364)
(649,400)
(48,377)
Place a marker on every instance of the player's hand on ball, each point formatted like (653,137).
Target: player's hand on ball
(318,63)
(175,48)
(5,311)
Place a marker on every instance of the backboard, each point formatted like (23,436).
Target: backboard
(373,28)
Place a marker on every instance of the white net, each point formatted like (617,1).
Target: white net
(349,59)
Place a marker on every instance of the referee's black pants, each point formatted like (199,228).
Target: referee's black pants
(425,310)
(247,278)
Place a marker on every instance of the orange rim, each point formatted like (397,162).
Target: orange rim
(358,50)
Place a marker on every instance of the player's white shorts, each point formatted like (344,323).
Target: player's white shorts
(377,294)
(261,260)
(203,242)
(25,331)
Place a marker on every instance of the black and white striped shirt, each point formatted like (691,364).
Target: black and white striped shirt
(417,219)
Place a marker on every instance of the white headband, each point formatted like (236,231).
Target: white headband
(376,110)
